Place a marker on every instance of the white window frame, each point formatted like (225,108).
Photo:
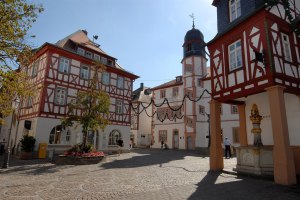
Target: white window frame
(119,107)
(88,54)
(104,60)
(162,94)
(60,96)
(105,78)
(68,136)
(64,65)
(97,57)
(235,55)
(80,51)
(286,47)
(234,9)
(84,72)
(120,82)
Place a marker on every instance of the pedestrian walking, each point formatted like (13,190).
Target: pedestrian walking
(162,144)
(227,148)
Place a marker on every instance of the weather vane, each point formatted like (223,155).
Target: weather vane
(193,17)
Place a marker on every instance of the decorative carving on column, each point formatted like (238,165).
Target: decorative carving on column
(256,130)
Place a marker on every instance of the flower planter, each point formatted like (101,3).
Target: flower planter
(81,159)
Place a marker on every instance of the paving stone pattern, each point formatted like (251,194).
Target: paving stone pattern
(141,174)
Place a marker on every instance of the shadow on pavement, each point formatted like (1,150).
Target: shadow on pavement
(149,157)
(243,188)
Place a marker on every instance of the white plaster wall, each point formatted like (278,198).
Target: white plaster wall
(292,103)
(202,130)
(169,128)
(262,101)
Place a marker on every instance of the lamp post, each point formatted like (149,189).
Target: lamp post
(15,104)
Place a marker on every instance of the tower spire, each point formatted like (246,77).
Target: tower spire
(193,17)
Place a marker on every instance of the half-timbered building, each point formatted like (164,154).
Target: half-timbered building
(58,72)
(255,64)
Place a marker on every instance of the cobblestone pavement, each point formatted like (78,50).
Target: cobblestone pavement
(141,174)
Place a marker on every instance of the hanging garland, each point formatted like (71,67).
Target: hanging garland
(286,5)
(165,101)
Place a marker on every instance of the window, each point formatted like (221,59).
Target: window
(200,83)
(35,69)
(109,62)
(201,110)
(161,114)
(235,9)
(60,96)
(162,93)
(234,109)
(97,57)
(88,54)
(175,92)
(120,82)
(80,51)
(64,64)
(286,47)
(189,93)
(84,72)
(105,78)
(235,55)
(29,102)
(235,135)
(104,60)
(119,107)
(188,68)
(162,135)
(68,136)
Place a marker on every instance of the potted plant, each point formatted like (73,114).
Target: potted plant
(27,145)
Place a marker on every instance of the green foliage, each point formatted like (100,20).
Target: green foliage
(93,105)
(81,148)
(16,17)
(27,143)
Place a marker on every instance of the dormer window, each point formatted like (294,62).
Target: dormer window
(88,54)
(178,79)
(97,57)
(80,51)
(235,9)
(109,62)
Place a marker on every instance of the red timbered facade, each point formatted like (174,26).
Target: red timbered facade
(255,61)
(59,71)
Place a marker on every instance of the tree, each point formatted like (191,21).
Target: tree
(16,17)
(93,104)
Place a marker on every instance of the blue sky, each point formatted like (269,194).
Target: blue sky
(146,36)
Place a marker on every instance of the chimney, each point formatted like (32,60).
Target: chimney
(142,86)
(85,32)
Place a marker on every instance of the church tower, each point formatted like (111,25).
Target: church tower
(193,70)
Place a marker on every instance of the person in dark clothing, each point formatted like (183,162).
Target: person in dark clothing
(162,144)
(227,148)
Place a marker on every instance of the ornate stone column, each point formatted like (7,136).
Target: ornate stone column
(256,130)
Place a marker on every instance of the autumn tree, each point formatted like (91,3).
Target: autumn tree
(16,18)
(90,107)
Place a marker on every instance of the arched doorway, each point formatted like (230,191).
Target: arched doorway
(59,135)
(114,137)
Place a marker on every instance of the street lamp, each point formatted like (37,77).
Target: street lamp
(15,104)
